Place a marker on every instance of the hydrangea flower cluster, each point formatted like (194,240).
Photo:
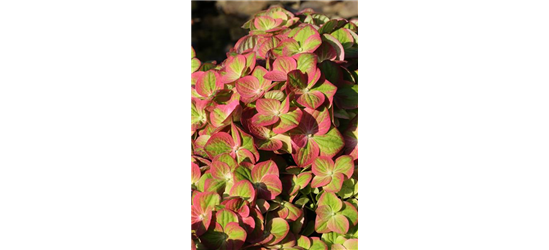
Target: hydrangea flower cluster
(274,137)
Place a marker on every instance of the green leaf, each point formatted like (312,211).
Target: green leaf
(201,182)
(208,200)
(236,235)
(331,200)
(195,64)
(312,99)
(336,183)
(317,244)
(350,212)
(275,94)
(304,33)
(332,71)
(306,62)
(306,155)
(328,27)
(330,143)
(243,173)
(306,190)
(339,224)
(347,96)
(287,121)
(302,201)
(326,88)
(208,65)
(225,216)
(323,215)
(303,242)
(264,168)
(345,165)
(323,166)
(297,79)
(243,189)
(279,228)
(336,45)
(347,189)
(198,115)
(221,113)
(265,23)
(247,142)
(207,84)
(213,239)
(319,19)
(227,159)
(340,239)
(344,37)
(215,185)
(351,244)
(330,237)
(218,144)
(303,179)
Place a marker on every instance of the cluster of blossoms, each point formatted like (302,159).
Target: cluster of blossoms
(274,137)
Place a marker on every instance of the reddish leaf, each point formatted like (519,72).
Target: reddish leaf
(195,173)
(317,244)
(276,75)
(221,113)
(269,144)
(323,166)
(336,45)
(297,79)
(321,181)
(287,47)
(238,205)
(208,83)
(344,164)
(330,143)
(264,168)
(248,87)
(246,43)
(265,45)
(236,236)
(304,156)
(312,99)
(306,62)
(268,106)
(225,216)
(214,239)
(200,220)
(266,23)
(264,119)
(206,200)
(304,33)
(339,224)
(269,187)
(219,143)
(326,88)
(288,121)
(336,183)
(279,228)
(243,189)
(312,43)
(220,170)
(330,199)
(234,68)
(284,64)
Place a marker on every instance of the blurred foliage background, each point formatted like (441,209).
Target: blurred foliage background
(216,25)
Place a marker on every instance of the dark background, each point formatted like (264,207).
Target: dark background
(216,25)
